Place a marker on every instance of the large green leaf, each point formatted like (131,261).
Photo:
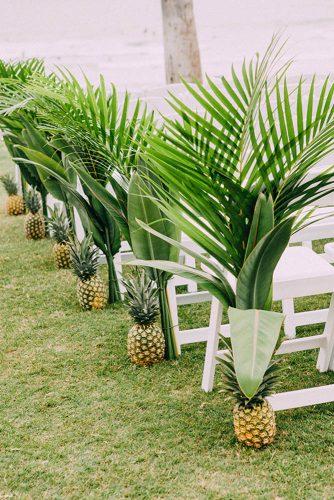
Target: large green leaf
(255,278)
(262,222)
(199,257)
(141,207)
(42,159)
(254,334)
(112,233)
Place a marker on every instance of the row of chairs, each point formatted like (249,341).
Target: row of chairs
(300,273)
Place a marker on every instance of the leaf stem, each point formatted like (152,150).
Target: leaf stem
(171,347)
(113,285)
(114,292)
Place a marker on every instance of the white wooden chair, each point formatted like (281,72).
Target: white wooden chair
(200,334)
(322,229)
(300,273)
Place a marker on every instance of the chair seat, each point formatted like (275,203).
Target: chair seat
(300,273)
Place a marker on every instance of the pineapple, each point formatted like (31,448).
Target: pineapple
(15,203)
(254,419)
(91,291)
(146,343)
(59,227)
(34,224)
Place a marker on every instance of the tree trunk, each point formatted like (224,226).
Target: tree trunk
(180,41)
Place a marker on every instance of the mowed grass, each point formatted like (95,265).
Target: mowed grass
(77,420)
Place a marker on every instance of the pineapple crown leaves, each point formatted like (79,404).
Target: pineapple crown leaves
(232,388)
(141,298)
(58,224)
(32,201)
(84,257)
(9,184)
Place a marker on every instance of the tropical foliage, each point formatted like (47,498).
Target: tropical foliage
(102,142)
(237,165)
(93,137)
(233,172)
(19,127)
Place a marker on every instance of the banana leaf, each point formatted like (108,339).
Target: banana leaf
(208,282)
(215,283)
(255,278)
(141,207)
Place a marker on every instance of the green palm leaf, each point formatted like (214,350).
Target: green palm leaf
(254,335)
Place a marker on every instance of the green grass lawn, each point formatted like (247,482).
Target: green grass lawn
(77,420)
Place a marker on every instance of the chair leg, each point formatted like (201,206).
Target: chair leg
(18,179)
(212,345)
(326,353)
(79,229)
(331,363)
(118,268)
(288,309)
(190,261)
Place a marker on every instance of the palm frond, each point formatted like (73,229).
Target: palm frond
(246,135)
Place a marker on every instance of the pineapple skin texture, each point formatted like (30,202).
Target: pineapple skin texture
(92,293)
(255,426)
(15,205)
(34,226)
(146,344)
(62,255)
